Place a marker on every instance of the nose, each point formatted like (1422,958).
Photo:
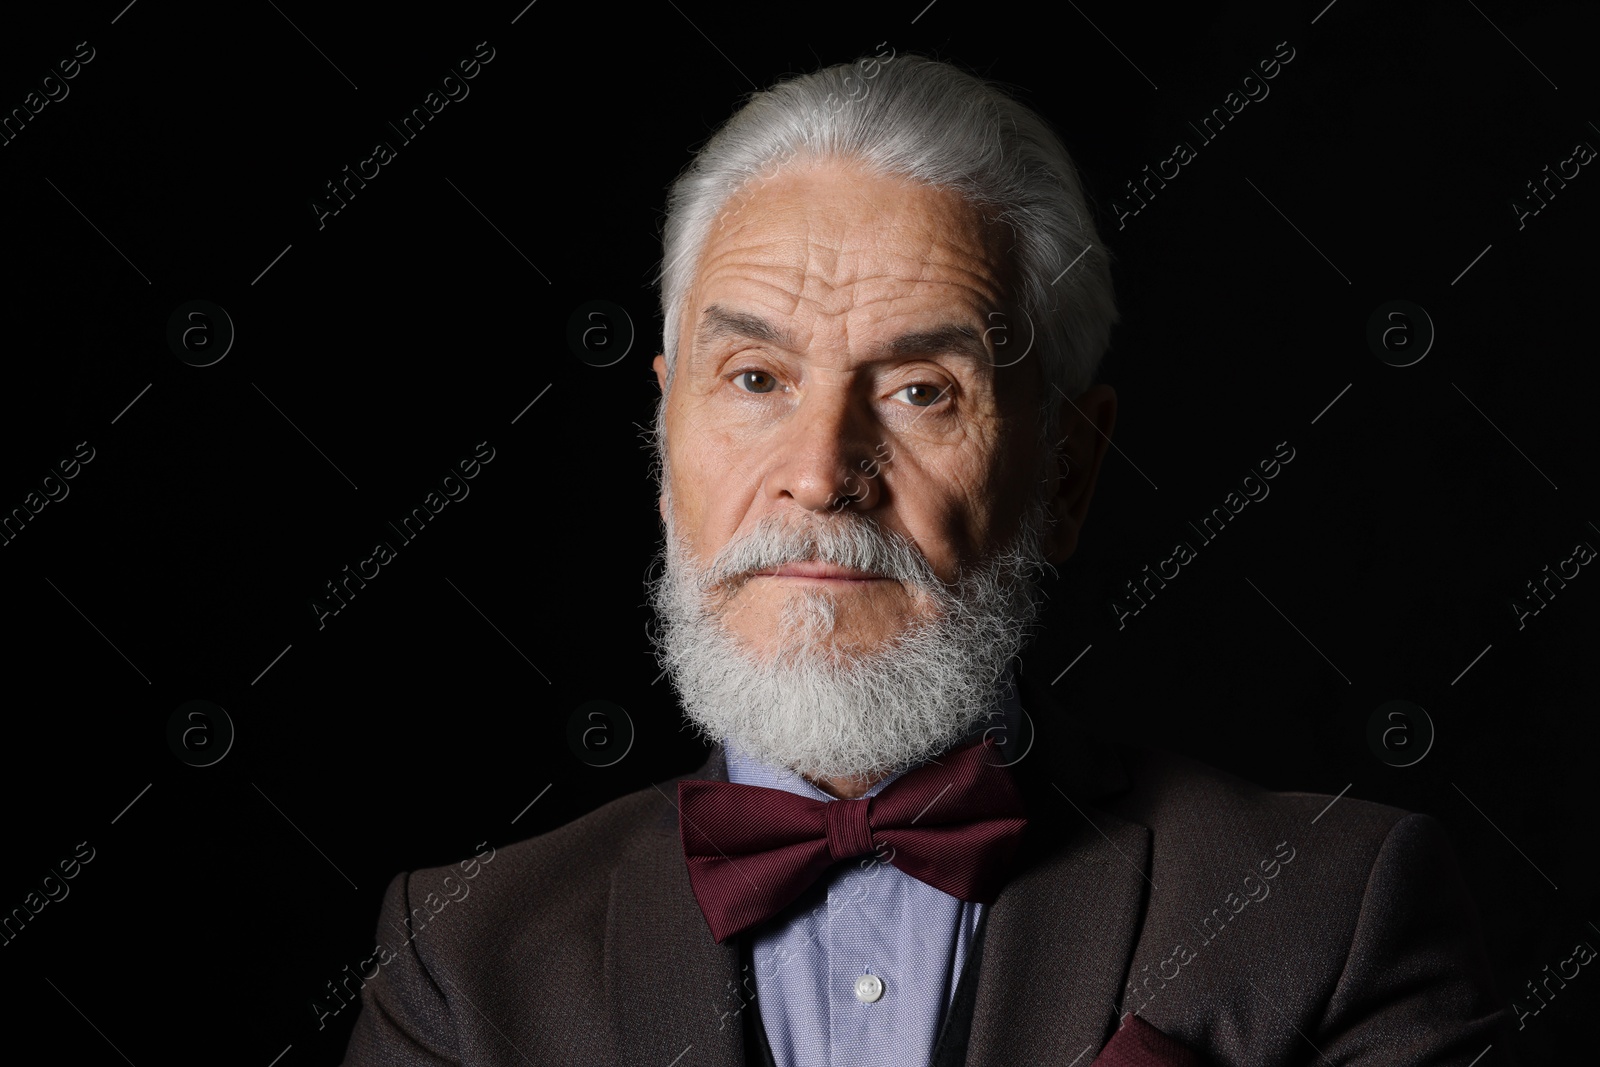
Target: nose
(827,458)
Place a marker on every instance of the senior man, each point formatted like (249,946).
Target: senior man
(884,302)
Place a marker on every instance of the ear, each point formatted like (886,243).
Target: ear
(1087,423)
(659,364)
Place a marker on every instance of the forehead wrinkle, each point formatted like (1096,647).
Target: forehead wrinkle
(836,265)
(858,289)
(956,225)
(956,237)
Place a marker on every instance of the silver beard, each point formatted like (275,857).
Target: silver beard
(824,707)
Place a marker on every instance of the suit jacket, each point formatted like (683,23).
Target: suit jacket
(1154,899)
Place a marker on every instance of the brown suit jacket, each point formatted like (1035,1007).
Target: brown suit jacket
(1252,927)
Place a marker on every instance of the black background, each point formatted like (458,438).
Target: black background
(379,349)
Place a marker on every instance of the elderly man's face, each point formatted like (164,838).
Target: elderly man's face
(837,354)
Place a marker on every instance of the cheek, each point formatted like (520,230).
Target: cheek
(1012,483)
(973,491)
(978,533)
(944,513)
(708,500)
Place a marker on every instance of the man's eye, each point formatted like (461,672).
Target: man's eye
(756,381)
(922,395)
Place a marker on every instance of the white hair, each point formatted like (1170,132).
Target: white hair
(924,119)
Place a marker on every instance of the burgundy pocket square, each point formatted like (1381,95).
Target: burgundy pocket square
(1138,1044)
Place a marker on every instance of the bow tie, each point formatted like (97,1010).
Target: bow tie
(751,851)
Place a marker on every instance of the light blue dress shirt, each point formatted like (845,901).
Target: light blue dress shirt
(874,920)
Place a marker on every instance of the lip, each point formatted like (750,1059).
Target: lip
(823,571)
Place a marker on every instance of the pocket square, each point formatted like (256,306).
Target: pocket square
(1138,1044)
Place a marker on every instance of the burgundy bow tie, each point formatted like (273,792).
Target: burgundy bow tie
(750,850)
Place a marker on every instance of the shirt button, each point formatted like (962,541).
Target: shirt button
(869,987)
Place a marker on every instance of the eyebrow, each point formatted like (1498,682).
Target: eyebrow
(952,337)
(719,322)
(955,338)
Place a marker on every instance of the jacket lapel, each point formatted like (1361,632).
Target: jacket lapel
(671,988)
(1062,931)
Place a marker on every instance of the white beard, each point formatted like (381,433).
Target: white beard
(824,707)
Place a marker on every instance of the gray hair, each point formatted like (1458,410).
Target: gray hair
(923,119)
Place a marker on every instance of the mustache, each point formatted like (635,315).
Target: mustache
(848,541)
